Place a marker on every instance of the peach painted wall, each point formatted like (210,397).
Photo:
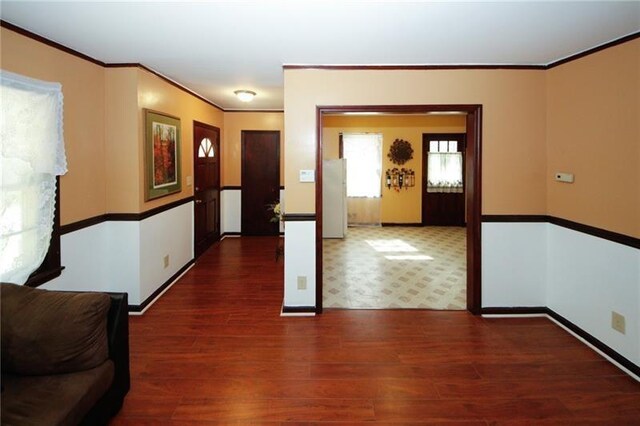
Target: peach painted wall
(121,141)
(514,124)
(155,93)
(396,207)
(83,86)
(593,131)
(234,124)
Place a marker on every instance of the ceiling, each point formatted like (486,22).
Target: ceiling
(214,48)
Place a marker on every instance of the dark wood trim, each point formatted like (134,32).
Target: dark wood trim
(206,126)
(340,146)
(230,187)
(51,266)
(140,307)
(163,208)
(473,201)
(121,217)
(416,224)
(85,223)
(615,237)
(514,310)
(298,309)
(38,278)
(414,67)
(626,240)
(80,55)
(611,353)
(41,39)
(281,187)
(548,66)
(299,217)
(593,50)
(166,80)
(280,111)
(473,186)
(319,159)
(507,218)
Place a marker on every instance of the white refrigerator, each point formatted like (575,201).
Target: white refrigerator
(334,198)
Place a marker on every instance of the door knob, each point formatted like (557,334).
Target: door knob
(198,201)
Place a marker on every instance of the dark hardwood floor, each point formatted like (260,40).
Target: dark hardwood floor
(214,350)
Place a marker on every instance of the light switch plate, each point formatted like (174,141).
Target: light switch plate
(307,175)
(564,177)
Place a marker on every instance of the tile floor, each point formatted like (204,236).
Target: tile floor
(396,267)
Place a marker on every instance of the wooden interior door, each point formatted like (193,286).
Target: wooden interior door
(442,208)
(206,165)
(260,181)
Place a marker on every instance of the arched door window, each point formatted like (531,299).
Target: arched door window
(207,149)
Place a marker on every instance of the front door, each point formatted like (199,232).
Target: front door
(443,201)
(206,165)
(260,181)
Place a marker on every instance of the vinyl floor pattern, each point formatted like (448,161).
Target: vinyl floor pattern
(213,350)
(396,267)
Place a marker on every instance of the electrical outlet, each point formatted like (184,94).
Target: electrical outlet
(617,322)
(166,261)
(302,283)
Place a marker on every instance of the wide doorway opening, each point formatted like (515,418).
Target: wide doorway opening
(398,216)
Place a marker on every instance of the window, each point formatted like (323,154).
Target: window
(444,168)
(31,158)
(363,152)
(206,149)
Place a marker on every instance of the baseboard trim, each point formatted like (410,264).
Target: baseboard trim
(401,224)
(298,309)
(609,353)
(141,308)
(230,234)
(596,343)
(514,310)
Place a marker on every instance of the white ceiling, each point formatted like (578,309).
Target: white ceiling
(214,48)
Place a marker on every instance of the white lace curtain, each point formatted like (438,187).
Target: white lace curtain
(31,156)
(444,173)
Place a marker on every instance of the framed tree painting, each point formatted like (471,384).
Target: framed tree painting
(162,154)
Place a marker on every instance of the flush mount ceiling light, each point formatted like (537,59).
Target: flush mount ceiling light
(245,95)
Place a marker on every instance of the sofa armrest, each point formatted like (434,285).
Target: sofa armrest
(118,336)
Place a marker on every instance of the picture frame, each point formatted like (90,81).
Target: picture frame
(162,154)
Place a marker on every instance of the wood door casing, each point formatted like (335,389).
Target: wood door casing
(206,166)
(439,208)
(260,181)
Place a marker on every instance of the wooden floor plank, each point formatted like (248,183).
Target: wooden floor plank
(213,350)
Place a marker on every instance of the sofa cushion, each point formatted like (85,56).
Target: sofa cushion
(50,332)
(58,399)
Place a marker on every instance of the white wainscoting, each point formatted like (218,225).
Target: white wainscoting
(581,277)
(230,210)
(588,277)
(126,256)
(299,260)
(514,271)
(168,233)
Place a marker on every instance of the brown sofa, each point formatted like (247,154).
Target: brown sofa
(65,356)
